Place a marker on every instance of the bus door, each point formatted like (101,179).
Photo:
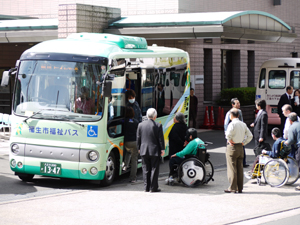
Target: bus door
(133,82)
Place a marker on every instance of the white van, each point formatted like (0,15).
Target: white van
(275,75)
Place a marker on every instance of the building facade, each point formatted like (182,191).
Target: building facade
(222,62)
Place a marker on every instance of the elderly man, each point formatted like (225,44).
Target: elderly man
(237,135)
(235,103)
(151,145)
(294,136)
(286,110)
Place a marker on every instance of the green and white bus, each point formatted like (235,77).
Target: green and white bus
(64,95)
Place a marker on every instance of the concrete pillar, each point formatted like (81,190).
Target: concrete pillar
(243,68)
(75,18)
(216,73)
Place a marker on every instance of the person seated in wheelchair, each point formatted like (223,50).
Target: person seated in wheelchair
(190,150)
(275,153)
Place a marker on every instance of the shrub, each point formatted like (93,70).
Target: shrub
(246,95)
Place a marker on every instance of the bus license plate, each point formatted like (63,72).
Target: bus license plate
(274,110)
(50,168)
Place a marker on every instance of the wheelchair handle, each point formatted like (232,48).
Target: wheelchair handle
(206,143)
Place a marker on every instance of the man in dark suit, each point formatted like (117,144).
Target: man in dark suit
(160,100)
(151,145)
(261,122)
(284,99)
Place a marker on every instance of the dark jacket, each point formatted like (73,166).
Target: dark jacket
(177,138)
(130,129)
(137,110)
(193,104)
(282,101)
(149,138)
(261,126)
(296,108)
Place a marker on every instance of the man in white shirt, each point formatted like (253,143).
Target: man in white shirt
(237,135)
(286,110)
(235,103)
(284,99)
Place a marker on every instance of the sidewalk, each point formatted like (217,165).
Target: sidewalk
(4,143)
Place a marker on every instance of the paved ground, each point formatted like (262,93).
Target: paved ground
(124,203)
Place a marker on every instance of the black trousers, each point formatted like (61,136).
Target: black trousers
(282,119)
(150,166)
(193,116)
(174,161)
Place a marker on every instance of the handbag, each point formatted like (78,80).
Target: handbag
(262,146)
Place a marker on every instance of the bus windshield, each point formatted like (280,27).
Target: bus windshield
(59,90)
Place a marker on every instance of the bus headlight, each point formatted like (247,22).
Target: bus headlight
(93,156)
(13,163)
(94,170)
(15,149)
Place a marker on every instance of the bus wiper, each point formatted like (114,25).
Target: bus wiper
(25,121)
(66,118)
(39,112)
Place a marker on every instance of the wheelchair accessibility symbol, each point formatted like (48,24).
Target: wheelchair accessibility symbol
(92,131)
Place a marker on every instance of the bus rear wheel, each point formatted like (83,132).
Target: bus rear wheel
(110,172)
(25,177)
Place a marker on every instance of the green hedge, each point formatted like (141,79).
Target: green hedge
(246,95)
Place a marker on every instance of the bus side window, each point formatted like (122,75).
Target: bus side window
(277,79)
(262,78)
(295,79)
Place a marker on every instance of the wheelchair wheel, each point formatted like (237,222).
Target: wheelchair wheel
(276,172)
(209,170)
(192,172)
(293,170)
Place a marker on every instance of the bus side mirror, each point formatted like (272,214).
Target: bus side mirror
(110,76)
(107,89)
(5,78)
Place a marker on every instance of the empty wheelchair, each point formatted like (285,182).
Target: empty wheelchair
(276,172)
(195,169)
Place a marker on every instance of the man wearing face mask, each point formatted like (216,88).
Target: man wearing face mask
(130,96)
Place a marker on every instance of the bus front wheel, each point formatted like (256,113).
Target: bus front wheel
(25,177)
(110,172)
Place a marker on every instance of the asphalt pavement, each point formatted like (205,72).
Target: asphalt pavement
(125,203)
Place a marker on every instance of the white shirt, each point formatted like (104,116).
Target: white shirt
(238,132)
(286,127)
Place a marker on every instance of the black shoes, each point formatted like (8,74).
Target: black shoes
(229,191)
(157,190)
(246,165)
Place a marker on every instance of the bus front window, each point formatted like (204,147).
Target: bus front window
(59,90)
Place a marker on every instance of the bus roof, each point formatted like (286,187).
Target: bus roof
(282,62)
(104,45)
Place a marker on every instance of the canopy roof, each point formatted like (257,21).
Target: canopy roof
(248,25)
(241,25)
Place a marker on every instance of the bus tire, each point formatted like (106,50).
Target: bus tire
(25,177)
(110,171)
